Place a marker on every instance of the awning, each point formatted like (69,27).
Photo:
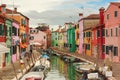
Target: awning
(3,49)
(22,46)
(35,43)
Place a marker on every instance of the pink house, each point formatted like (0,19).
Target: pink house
(15,41)
(37,36)
(112,38)
(81,33)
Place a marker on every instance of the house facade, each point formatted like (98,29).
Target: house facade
(15,41)
(37,36)
(112,25)
(8,24)
(24,24)
(71,37)
(80,22)
(3,47)
(77,37)
(55,38)
(89,22)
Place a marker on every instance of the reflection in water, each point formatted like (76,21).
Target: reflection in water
(57,69)
(61,70)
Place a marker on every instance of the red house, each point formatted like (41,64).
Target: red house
(101,35)
(2,29)
(98,37)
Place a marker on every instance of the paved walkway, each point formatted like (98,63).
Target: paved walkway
(92,60)
(15,71)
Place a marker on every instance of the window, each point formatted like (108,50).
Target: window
(115,13)
(115,51)
(31,37)
(55,38)
(1,30)
(103,32)
(107,49)
(107,16)
(14,50)
(84,34)
(78,36)
(44,37)
(14,31)
(88,46)
(98,33)
(55,33)
(111,32)
(89,34)
(106,33)
(103,48)
(18,32)
(56,44)
(116,30)
(10,31)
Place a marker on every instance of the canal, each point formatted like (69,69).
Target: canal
(61,70)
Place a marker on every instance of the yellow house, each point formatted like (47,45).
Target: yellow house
(87,41)
(61,38)
(77,37)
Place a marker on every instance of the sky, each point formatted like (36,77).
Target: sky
(56,12)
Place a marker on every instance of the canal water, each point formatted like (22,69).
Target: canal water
(61,70)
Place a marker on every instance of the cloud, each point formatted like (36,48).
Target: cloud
(54,17)
(56,12)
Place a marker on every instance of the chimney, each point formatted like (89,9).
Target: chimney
(15,9)
(3,8)
(81,16)
(101,13)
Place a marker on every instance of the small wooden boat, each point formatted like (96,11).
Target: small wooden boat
(33,76)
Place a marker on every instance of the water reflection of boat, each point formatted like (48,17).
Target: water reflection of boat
(69,59)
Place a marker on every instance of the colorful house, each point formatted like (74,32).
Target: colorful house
(94,42)
(37,36)
(98,37)
(24,25)
(61,39)
(80,22)
(101,35)
(89,22)
(15,41)
(65,35)
(71,37)
(88,41)
(77,37)
(3,47)
(55,38)
(112,25)
(45,28)
(8,24)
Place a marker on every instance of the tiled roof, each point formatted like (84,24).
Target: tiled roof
(56,30)
(8,11)
(92,16)
(63,30)
(116,3)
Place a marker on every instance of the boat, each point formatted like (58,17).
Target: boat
(33,76)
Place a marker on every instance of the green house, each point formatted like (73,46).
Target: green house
(8,24)
(55,39)
(71,38)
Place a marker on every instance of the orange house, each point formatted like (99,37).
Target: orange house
(24,27)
